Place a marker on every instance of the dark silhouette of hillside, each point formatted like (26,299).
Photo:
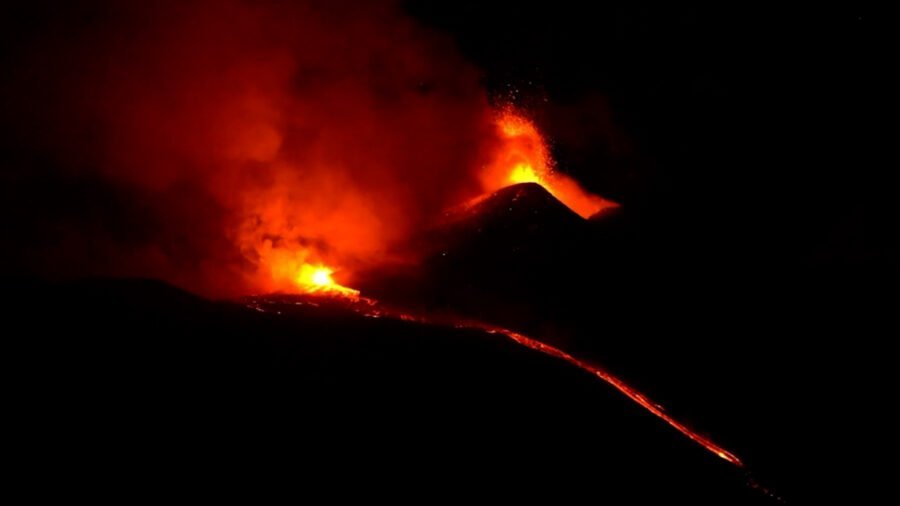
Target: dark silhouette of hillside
(137,381)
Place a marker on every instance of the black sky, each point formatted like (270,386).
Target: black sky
(746,134)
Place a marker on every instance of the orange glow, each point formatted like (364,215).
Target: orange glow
(312,223)
(317,279)
(524,173)
(297,270)
(523,157)
(321,276)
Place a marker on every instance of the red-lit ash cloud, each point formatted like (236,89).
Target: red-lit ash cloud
(232,146)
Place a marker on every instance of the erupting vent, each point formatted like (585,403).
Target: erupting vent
(523,157)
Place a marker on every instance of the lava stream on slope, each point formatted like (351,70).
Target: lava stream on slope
(371,308)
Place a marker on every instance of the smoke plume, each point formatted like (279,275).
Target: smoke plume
(212,143)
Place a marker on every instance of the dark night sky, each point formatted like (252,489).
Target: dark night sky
(747,133)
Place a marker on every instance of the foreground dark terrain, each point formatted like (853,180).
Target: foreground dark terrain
(146,385)
(779,360)
(142,385)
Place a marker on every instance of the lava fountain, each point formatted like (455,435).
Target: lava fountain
(317,279)
(523,157)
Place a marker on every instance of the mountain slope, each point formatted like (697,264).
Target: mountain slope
(155,378)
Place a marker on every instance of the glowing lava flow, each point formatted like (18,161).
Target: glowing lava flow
(316,279)
(523,157)
(612,380)
(297,269)
(619,385)
(372,309)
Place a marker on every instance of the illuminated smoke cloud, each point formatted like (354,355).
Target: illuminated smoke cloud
(230,146)
(211,139)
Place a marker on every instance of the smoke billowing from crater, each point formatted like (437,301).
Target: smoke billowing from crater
(206,142)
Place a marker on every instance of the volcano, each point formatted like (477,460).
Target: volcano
(408,249)
(513,252)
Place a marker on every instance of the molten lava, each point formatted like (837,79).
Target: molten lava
(294,268)
(317,279)
(523,157)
